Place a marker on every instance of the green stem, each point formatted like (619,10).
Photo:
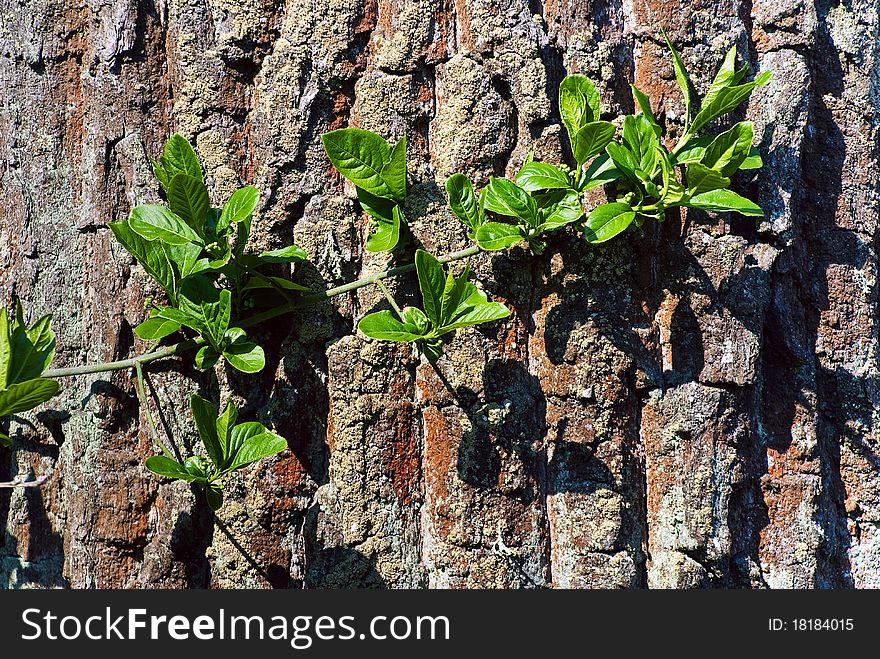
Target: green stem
(142,396)
(390,299)
(257,319)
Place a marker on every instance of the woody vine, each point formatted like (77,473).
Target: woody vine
(215,289)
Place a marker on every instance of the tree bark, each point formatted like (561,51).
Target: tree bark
(697,405)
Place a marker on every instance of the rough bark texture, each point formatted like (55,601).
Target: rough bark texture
(698,406)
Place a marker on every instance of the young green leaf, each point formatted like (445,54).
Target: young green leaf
(385,326)
(238,435)
(385,235)
(23,396)
(214,496)
(726,100)
(591,140)
(463,201)
(578,104)
(728,151)
(239,207)
(158,223)
(289,254)
(681,77)
(208,306)
(702,179)
(565,211)
(156,328)
(185,258)
(542,176)
(257,447)
(206,357)
(225,423)
(151,257)
(188,199)
(494,236)
(180,158)
(606,221)
(394,171)
(644,104)
(205,415)
(432,281)
(165,466)
(360,156)
(475,310)
(724,201)
(506,198)
(246,357)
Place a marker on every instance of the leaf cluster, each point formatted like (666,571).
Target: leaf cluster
(229,446)
(196,253)
(449,303)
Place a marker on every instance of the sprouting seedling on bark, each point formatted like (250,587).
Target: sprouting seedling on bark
(229,446)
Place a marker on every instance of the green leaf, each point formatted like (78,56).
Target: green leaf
(726,76)
(565,211)
(225,423)
(208,305)
(385,235)
(608,220)
(214,496)
(394,171)
(24,396)
(157,328)
(184,257)
(453,295)
(432,348)
(506,198)
(726,100)
(238,436)
(360,156)
(188,199)
(205,414)
(256,448)
(31,349)
(5,348)
(432,282)
(639,136)
(753,160)
(153,222)
(206,357)
(165,466)
(5,440)
(475,310)
(289,254)
(542,176)
(724,201)
(494,236)
(151,257)
(246,357)
(417,318)
(681,77)
(600,172)
(591,140)
(463,201)
(180,158)
(728,151)
(624,160)
(385,326)
(578,104)
(239,207)
(702,179)
(644,104)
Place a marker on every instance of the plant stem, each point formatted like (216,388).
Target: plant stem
(390,299)
(142,396)
(257,319)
